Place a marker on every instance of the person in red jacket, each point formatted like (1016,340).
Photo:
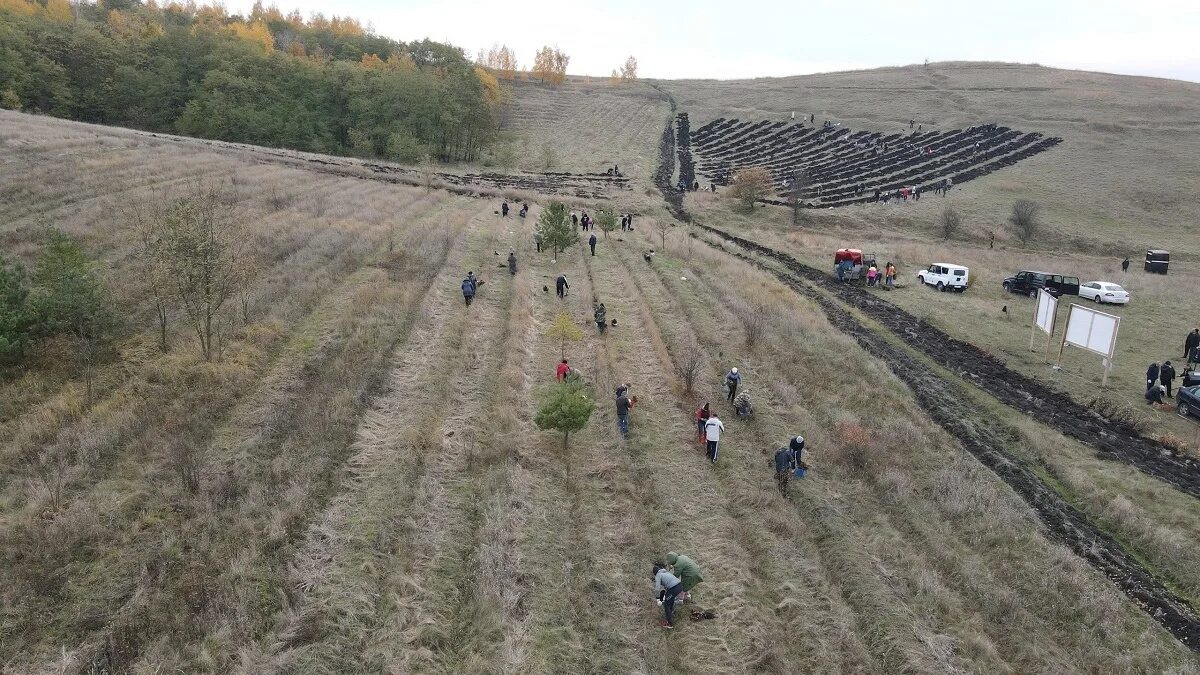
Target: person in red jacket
(562,371)
(701,419)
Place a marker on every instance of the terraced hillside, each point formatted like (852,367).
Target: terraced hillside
(846,167)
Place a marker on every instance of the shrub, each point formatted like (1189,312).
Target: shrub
(69,299)
(606,220)
(754,321)
(949,222)
(15,320)
(687,364)
(750,185)
(1024,219)
(564,330)
(567,408)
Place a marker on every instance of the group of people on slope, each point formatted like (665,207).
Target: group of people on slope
(1160,379)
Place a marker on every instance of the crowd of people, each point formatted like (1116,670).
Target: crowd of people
(674,579)
(1160,378)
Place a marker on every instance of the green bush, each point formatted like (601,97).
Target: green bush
(567,408)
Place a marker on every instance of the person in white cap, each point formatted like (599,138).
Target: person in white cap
(732,380)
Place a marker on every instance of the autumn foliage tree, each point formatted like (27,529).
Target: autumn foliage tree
(629,70)
(550,65)
(500,59)
(751,184)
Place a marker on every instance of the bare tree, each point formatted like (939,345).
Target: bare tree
(663,227)
(205,254)
(549,157)
(1024,219)
(688,365)
(799,183)
(754,321)
(949,222)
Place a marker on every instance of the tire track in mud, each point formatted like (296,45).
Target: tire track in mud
(987,439)
(1112,439)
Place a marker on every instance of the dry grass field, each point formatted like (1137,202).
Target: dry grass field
(373,494)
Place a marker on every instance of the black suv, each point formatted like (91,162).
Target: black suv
(1028,283)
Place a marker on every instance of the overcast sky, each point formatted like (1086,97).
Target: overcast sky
(748,38)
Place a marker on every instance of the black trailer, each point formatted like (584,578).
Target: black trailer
(1157,261)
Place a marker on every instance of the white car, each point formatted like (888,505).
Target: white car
(945,277)
(1104,292)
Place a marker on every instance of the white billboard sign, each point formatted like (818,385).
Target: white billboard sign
(1091,330)
(1047,311)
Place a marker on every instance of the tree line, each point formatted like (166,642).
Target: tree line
(321,85)
(549,65)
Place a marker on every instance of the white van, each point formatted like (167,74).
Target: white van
(945,277)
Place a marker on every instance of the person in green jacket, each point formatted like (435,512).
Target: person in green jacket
(686,569)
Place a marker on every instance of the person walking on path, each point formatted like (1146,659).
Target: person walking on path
(624,403)
(712,433)
(468,290)
(592,244)
(574,219)
(1166,376)
(1125,265)
(560,286)
(732,380)
(1151,374)
(702,415)
(601,317)
(562,371)
(667,588)
(1190,343)
(537,241)
(686,570)
(512,261)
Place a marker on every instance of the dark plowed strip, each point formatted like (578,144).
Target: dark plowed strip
(1113,439)
(986,439)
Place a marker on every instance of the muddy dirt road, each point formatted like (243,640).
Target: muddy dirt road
(1113,439)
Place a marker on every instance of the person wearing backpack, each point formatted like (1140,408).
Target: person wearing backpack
(468,290)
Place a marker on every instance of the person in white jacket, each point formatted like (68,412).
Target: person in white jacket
(712,433)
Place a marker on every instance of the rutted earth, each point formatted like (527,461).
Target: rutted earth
(1112,438)
(987,439)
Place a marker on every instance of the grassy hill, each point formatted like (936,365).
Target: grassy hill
(357,483)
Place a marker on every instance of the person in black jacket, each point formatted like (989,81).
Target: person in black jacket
(560,289)
(1151,375)
(1166,375)
(1190,343)
(592,244)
